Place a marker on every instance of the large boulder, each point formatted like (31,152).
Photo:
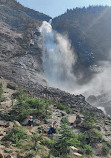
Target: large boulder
(92,99)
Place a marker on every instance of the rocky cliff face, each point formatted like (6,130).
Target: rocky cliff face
(20,43)
(89,32)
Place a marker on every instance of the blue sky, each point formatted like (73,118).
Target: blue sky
(57,7)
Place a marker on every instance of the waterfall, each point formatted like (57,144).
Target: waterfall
(58,58)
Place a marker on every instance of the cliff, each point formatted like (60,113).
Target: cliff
(20,43)
(89,32)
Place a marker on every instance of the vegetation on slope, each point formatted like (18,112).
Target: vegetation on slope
(86,137)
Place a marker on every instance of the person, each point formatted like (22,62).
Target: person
(52,129)
(30,123)
(77,121)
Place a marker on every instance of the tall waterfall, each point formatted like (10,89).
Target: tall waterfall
(58,58)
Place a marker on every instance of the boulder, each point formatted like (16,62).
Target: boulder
(38,156)
(71,118)
(77,154)
(9,124)
(16,123)
(74,149)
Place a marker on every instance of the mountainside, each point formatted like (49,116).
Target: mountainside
(90,34)
(24,92)
(90,137)
(20,43)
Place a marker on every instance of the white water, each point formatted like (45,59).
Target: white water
(58,58)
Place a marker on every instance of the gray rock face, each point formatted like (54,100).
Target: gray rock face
(20,44)
(102,101)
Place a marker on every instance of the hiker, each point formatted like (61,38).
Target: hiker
(77,121)
(52,129)
(30,123)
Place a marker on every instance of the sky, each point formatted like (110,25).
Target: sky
(54,8)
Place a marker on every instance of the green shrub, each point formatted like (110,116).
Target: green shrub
(19,112)
(93,136)
(28,106)
(105,150)
(2,99)
(16,135)
(89,120)
(64,107)
(88,150)
(82,138)
(61,145)
(35,138)
(64,120)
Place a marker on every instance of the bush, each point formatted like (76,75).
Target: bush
(68,138)
(93,136)
(61,145)
(64,120)
(105,150)
(19,112)
(88,150)
(28,106)
(16,135)
(64,107)
(2,99)
(89,120)
(35,138)
(82,138)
